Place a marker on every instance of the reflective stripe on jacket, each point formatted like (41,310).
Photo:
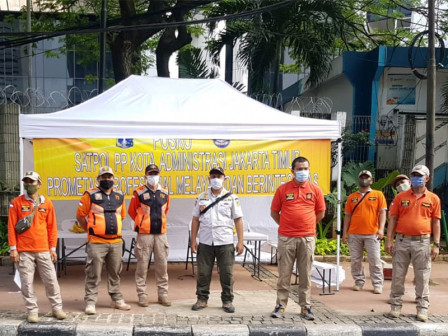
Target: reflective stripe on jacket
(151,214)
(105,214)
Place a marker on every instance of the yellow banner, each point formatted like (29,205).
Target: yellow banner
(68,167)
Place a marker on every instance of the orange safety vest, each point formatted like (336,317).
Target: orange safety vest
(105,214)
(151,215)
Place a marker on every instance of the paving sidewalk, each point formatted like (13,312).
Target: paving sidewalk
(345,313)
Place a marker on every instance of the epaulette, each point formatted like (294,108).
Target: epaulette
(164,190)
(141,190)
(93,191)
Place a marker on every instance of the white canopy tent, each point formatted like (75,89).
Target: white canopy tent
(153,107)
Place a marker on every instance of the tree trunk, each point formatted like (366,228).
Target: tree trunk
(167,45)
(122,51)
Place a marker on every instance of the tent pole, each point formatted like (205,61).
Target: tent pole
(338,219)
(21,162)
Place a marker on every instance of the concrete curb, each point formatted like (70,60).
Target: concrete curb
(387,329)
(9,327)
(331,329)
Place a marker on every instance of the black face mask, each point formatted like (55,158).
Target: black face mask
(106,184)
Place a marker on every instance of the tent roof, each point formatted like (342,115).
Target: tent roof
(154,107)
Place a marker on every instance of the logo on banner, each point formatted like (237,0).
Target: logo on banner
(125,143)
(221,143)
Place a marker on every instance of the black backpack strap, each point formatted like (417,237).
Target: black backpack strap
(219,199)
(359,202)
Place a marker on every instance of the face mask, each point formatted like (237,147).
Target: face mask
(216,183)
(106,184)
(302,175)
(364,183)
(31,189)
(417,181)
(403,187)
(153,180)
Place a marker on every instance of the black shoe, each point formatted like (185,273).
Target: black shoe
(199,305)
(228,307)
(307,314)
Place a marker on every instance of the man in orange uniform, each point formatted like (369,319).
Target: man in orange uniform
(414,215)
(297,207)
(149,206)
(35,247)
(401,183)
(365,217)
(104,209)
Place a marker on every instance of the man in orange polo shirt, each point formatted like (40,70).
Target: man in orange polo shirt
(35,247)
(414,215)
(365,217)
(101,212)
(297,206)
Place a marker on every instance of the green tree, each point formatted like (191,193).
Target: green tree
(127,46)
(313,32)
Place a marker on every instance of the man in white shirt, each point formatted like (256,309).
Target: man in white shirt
(215,213)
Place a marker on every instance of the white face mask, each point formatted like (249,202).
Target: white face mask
(153,180)
(404,186)
(216,183)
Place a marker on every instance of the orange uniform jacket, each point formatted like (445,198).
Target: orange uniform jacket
(43,233)
(415,215)
(149,208)
(106,213)
(298,206)
(365,218)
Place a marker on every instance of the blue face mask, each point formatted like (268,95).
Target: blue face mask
(302,175)
(417,181)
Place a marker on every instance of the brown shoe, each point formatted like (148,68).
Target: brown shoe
(163,300)
(32,317)
(143,301)
(59,314)
(120,304)
(199,305)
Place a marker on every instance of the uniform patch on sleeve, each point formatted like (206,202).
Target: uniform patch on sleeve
(289,197)
(80,204)
(405,203)
(98,197)
(11,205)
(237,203)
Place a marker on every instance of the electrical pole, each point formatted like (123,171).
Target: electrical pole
(431,94)
(30,55)
(102,65)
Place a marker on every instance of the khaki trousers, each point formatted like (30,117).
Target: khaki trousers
(145,246)
(97,255)
(28,261)
(291,249)
(417,252)
(357,243)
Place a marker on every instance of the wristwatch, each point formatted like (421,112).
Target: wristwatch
(437,244)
